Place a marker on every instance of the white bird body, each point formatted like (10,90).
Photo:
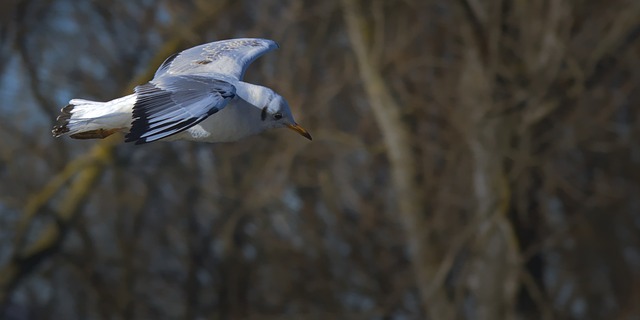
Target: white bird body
(195,95)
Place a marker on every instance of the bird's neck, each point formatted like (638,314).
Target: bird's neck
(256,95)
(243,114)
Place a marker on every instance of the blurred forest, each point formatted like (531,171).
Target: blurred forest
(471,160)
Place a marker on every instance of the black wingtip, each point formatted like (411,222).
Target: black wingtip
(140,124)
(149,98)
(62,121)
(128,138)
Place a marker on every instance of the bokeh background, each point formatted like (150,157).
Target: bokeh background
(471,160)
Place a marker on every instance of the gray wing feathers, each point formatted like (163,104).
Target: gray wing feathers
(227,57)
(173,104)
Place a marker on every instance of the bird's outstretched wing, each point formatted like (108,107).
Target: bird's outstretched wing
(172,104)
(227,57)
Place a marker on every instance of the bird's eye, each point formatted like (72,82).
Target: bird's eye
(277,116)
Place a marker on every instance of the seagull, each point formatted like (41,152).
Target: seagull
(197,95)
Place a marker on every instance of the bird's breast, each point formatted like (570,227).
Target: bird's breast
(235,121)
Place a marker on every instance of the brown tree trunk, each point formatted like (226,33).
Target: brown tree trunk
(492,275)
(398,141)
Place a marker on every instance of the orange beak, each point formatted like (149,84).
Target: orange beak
(300,130)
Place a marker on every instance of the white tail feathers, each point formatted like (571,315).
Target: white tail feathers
(85,119)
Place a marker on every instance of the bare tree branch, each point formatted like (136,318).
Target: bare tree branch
(398,142)
(88,170)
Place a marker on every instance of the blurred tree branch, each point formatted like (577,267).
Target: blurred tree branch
(88,168)
(398,142)
(518,118)
(44,103)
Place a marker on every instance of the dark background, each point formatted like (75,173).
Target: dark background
(471,160)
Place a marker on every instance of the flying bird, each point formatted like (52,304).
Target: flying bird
(197,94)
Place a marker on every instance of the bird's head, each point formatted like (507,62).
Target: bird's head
(277,114)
